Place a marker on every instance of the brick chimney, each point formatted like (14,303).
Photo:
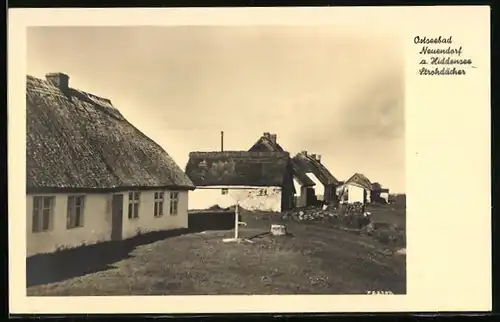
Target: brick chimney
(304,152)
(267,135)
(58,80)
(273,137)
(318,158)
(313,156)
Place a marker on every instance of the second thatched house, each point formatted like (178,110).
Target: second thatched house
(326,183)
(255,180)
(92,176)
(304,186)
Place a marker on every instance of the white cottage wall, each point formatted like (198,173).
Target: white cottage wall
(96,224)
(248,197)
(300,198)
(297,186)
(97,220)
(319,188)
(147,222)
(356,194)
(385,196)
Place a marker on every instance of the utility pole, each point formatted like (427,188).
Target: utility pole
(222,141)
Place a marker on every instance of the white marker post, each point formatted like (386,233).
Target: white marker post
(236,221)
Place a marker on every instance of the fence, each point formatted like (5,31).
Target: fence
(211,220)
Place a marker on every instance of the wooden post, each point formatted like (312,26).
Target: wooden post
(236,221)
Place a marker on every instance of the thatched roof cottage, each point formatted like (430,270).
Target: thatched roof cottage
(255,180)
(304,186)
(357,188)
(326,183)
(91,175)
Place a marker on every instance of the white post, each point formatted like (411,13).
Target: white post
(236,221)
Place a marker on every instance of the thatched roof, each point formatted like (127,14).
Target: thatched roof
(76,140)
(307,163)
(360,180)
(238,168)
(267,142)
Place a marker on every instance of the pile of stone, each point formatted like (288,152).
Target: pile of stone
(308,213)
(351,218)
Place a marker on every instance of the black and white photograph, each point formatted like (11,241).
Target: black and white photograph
(201,161)
(214,160)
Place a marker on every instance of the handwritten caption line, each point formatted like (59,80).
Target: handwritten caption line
(438,61)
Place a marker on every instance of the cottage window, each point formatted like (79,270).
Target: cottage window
(133,205)
(225,191)
(174,203)
(159,199)
(43,208)
(75,212)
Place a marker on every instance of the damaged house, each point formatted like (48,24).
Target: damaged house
(356,189)
(91,176)
(325,182)
(255,180)
(304,186)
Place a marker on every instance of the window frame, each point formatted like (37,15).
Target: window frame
(71,211)
(174,201)
(37,225)
(134,201)
(159,204)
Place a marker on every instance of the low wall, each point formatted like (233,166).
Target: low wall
(248,197)
(211,220)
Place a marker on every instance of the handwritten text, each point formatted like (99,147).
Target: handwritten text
(439,60)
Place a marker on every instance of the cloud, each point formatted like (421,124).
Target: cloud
(378,113)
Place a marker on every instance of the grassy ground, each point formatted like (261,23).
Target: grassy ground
(392,213)
(314,259)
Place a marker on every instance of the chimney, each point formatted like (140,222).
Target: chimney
(318,157)
(58,80)
(267,135)
(221,141)
(313,156)
(304,152)
(273,138)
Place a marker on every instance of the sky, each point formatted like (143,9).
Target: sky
(325,89)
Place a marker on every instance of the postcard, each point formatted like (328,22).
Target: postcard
(245,160)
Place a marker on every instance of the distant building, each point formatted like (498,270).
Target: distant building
(256,180)
(304,186)
(379,194)
(356,189)
(397,198)
(326,183)
(92,176)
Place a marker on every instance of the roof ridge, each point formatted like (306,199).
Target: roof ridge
(114,152)
(70,88)
(239,153)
